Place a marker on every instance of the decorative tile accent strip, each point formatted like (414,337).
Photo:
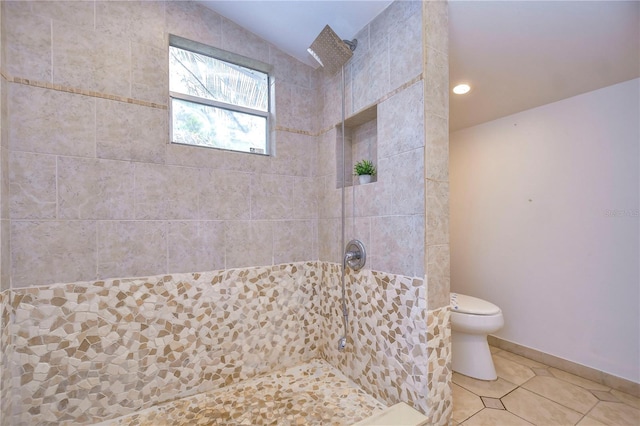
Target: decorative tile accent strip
(309,394)
(439,396)
(91,93)
(386,352)
(381,99)
(300,132)
(88,352)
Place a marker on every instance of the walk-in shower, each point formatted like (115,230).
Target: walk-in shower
(332,53)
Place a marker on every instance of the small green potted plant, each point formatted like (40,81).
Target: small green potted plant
(364,169)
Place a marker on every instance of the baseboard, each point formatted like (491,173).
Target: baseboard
(606,379)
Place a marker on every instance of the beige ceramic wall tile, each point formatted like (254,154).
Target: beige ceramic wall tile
(329,232)
(194,21)
(564,393)
(81,14)
(5,252)
(195,156)
(4,109)
(89,60)
(329,198)
(296,106)
(437,200)
(166,192)
(131,248)
(331,92)
(401,122)
(291,70)
(305,198)
(296,155)
(438,276)
(248,243)
(437,148)
(195,246)
(149,73)
(27,40)
(436,22)
(404,184)
(95,189)
(405,44)
(327,153)
(242,42)
(292,241)
(223,195)
(538,410)
(369,75)
(397,245)
(130,132)
(436,80)
(124,18)
(32,179)
(614,413)
(359,229)
(489,417)
(271,197)
(370,199)
(34,112)
(247,162)
(52,251)
(465,403)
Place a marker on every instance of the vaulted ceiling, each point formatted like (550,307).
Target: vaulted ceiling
(516,55)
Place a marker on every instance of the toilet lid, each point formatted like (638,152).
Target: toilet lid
(472,305)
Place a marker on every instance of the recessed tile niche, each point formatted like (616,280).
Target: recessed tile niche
(360,143)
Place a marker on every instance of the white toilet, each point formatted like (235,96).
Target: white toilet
(472,319)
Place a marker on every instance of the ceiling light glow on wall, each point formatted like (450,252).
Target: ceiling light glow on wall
(461,89)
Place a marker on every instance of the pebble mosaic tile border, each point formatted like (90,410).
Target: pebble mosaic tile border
(387,341)
(6,350)
(439,394)
(314,393)
(87,352)
(92,351)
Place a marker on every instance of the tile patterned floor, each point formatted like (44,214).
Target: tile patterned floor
(530,393)
(313,393)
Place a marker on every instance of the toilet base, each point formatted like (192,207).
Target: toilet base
(471,356)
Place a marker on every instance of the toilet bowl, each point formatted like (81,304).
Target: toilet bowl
(472,319)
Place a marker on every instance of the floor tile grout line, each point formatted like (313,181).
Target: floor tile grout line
(554,377)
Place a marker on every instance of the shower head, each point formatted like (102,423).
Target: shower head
(330,51)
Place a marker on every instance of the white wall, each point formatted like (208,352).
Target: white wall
(544,223)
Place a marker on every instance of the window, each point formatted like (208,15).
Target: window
(218,99)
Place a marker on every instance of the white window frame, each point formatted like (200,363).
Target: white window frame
(232,58)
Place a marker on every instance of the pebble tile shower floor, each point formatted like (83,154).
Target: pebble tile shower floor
(313,393)
(530,393)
